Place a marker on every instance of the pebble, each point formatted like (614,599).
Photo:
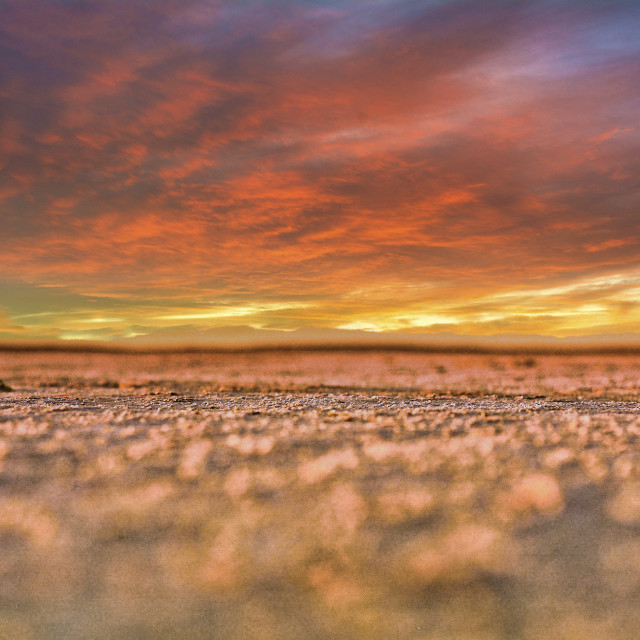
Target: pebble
(194,459)
(240,494)
(537,491)
(461,555)
(322,467)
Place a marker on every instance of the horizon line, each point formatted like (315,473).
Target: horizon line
(556,347)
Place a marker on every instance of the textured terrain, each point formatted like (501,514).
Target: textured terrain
(337,495)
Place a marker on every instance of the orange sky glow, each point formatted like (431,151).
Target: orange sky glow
(203,171)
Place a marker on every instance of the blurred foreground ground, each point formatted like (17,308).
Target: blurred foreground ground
(329,496)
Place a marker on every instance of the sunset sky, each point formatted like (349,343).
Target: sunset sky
(169,168)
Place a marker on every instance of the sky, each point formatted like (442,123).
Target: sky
(199,171)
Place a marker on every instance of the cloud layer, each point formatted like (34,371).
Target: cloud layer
(398,166)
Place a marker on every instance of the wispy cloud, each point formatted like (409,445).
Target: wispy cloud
(279,158)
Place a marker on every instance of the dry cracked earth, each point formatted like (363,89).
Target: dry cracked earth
(321,495)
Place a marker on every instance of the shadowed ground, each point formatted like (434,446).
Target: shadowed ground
(332,495)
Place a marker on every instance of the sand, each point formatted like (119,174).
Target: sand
(337,495)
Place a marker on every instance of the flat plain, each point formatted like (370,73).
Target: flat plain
(325,495)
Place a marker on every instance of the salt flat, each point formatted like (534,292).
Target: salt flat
(327,495)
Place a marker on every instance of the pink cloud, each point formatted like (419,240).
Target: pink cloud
(217,149)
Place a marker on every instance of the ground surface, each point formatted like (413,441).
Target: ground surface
(327,496)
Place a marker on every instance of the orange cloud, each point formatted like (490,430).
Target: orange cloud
(9,328)
(362,164)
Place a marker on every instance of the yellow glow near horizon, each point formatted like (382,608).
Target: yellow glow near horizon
(374,172)
(540,311)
